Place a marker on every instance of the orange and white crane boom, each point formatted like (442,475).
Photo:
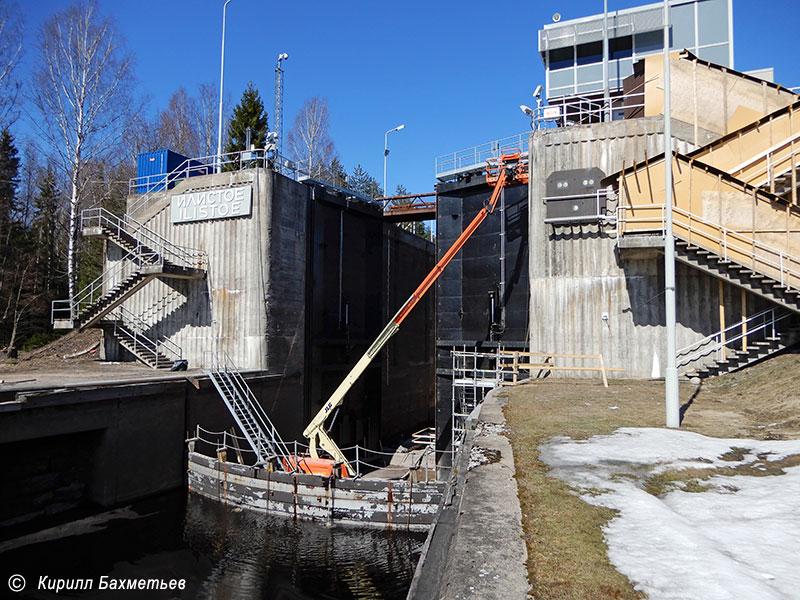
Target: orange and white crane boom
(510,168)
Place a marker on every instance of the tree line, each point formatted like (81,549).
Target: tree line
(87,123)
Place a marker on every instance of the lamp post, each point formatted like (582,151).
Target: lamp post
(386,153)
(221,79)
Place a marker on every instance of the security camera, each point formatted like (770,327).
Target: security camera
(538,91)
(526,109)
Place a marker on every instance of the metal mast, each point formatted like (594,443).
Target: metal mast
(277,113)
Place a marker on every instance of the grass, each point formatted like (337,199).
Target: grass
(567,555)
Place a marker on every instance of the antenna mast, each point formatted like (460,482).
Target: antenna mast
(278,112)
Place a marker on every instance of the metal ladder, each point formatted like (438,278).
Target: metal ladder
(248,414)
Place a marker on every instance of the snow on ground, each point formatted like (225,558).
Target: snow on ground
(739,540)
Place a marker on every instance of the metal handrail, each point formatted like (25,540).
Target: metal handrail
(727,243)
(720,339)
(577,110)
(243,398)
(450,164)
(772,163)
(92,292)
(144,237)
(136,329)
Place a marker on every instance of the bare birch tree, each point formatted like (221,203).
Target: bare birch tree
(310,142)
(10,54)
(83,93)
(208,105)
(179,124)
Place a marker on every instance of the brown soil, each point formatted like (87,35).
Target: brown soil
(51,356)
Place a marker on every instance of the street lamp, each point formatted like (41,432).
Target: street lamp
(221,79)
(386,154)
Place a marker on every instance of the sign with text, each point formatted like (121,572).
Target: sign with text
(206,205)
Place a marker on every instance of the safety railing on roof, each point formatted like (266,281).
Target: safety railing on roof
(144,238)
(729,245)
(449,165)
(744,331)
(577,110)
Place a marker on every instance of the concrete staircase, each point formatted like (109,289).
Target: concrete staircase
(753,281)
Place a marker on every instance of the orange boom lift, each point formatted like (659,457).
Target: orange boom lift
(509,168)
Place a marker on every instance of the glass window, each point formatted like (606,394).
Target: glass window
(712,22)
(682,17)
(590,53)
(648,43)
(715,54)
(562,57)
(620,47)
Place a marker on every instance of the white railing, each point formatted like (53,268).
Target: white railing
(755,326)
(730,245)
(145,239)
(130,326)
(453,163)
(577,110)
(106,282)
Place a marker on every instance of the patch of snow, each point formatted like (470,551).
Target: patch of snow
(740,539)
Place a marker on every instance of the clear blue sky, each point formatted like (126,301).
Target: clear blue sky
(454,72)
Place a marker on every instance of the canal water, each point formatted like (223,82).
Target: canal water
(221,554)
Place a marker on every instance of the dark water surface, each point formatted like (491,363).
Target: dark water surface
(219,553)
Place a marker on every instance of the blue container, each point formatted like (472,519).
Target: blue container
(152,169)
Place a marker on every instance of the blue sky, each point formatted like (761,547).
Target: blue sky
(454,73)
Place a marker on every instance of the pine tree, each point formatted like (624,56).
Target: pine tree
(361,182)
(335,173)
(9,180)
(248,113)
(45,232)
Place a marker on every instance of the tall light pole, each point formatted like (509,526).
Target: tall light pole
(221,80)
(672,400)
(386,153)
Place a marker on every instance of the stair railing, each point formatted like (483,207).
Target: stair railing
(105,283)
(714,343)
(730,245)
(246,411)
(133,327)
(769,164)
(145,237)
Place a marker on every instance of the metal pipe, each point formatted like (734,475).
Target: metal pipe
(606,99)
(221,79)
(672,399)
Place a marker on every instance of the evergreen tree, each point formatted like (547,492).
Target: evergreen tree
(335,173)
(248,113)
(45,232)
(361,182)
(9,180)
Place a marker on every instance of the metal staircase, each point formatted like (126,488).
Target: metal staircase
(254,423)
(131,333)
(148,255)
(740,345)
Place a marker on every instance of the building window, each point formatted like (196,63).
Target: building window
(647,43)
(620,47)
(590,53)
(561,58)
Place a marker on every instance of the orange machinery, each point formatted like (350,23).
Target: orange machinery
(500,172)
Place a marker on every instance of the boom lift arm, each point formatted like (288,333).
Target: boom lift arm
(510,169)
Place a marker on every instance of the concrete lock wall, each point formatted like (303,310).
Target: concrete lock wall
(586,297)
(253,261)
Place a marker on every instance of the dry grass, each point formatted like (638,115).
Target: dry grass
(566,551)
